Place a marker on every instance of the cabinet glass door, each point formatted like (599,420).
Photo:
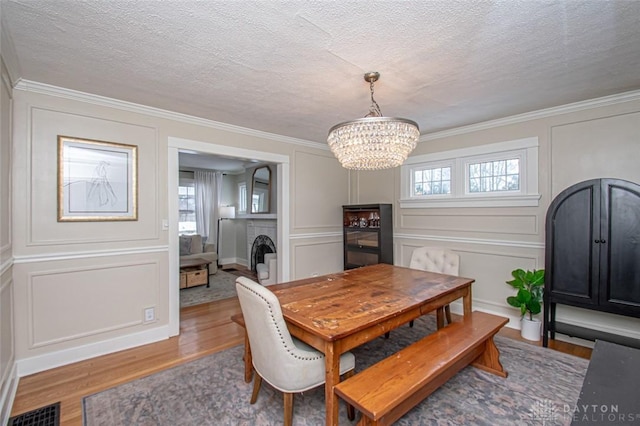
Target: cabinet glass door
(362,239)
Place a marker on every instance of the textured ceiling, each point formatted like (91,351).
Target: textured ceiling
(295,68)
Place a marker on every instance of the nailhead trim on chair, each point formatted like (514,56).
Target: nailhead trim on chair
(288,348)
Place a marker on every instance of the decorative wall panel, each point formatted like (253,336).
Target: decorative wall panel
(319,190)
(72,303)
(497,224)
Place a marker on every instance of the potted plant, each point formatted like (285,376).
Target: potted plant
(530,286)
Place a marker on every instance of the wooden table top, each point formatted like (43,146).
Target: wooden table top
(337,305)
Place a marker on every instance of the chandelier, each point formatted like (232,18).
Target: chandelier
(373,142)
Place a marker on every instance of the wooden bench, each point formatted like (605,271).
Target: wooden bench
(248,363)
(387,390)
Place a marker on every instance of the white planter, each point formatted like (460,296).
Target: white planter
(530,329)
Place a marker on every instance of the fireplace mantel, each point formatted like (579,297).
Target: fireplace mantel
(266,216)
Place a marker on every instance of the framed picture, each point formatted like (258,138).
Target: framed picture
(97,181)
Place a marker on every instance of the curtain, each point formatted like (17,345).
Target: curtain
(208,186)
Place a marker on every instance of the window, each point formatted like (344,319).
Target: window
(494,176)
(503,174)
(242,197)
(432,181)
(187,204)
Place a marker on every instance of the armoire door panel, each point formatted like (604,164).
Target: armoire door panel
(620,261)
(573,234)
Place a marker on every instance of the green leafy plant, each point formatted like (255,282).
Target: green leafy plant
(530,286)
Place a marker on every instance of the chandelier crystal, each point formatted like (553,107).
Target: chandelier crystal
(373,142)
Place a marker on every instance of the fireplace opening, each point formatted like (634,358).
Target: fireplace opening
(261,246)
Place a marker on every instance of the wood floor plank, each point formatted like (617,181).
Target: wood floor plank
(204,329)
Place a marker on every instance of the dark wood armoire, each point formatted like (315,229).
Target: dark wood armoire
(592,258)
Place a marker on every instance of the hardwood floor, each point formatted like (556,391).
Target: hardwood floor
(204,329)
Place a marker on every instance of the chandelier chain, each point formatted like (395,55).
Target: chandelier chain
(374,109)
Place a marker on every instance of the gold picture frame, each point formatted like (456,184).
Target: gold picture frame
(97,180)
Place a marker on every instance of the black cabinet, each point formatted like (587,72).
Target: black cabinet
(368,235)
(593,254)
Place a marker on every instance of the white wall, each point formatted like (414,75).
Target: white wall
(83,286)
(8,374)
(599,138)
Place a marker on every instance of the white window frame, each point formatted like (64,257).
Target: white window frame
(526,150)
(505,155)
(185,182)
(242,197)
(432,165)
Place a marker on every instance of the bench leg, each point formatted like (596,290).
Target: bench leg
(489,359)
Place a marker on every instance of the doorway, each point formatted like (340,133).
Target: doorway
(176,145)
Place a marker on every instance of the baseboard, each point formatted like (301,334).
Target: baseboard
(233,260)
(8,394)
(48,361)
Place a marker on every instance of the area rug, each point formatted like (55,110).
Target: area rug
(542,388)
(222,285)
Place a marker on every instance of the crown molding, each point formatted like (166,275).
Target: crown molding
(534,115)
(60,92)
(47,89)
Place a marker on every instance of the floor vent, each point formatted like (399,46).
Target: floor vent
(44,416)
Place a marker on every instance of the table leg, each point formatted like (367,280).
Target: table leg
(439,318)
(466,302)
(332,378)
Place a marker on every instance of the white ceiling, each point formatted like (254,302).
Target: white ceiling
(295,68)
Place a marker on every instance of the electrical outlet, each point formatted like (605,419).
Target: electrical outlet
(149,314)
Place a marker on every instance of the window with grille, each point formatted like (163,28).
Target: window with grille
(186,203)
(432,181)
(503,174)
(494,176)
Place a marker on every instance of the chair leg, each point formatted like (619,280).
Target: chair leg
(288,409)
(447,313)
(411,323)
(257,382)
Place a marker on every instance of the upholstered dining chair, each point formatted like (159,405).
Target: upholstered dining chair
(436,259)
(280,359)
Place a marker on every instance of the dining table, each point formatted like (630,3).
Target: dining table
(337,312)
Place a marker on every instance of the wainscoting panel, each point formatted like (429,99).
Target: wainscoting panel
(609,147)
(316,255)
(497,224)
(319,189)
(43,229)
(68,304)
(7,348)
